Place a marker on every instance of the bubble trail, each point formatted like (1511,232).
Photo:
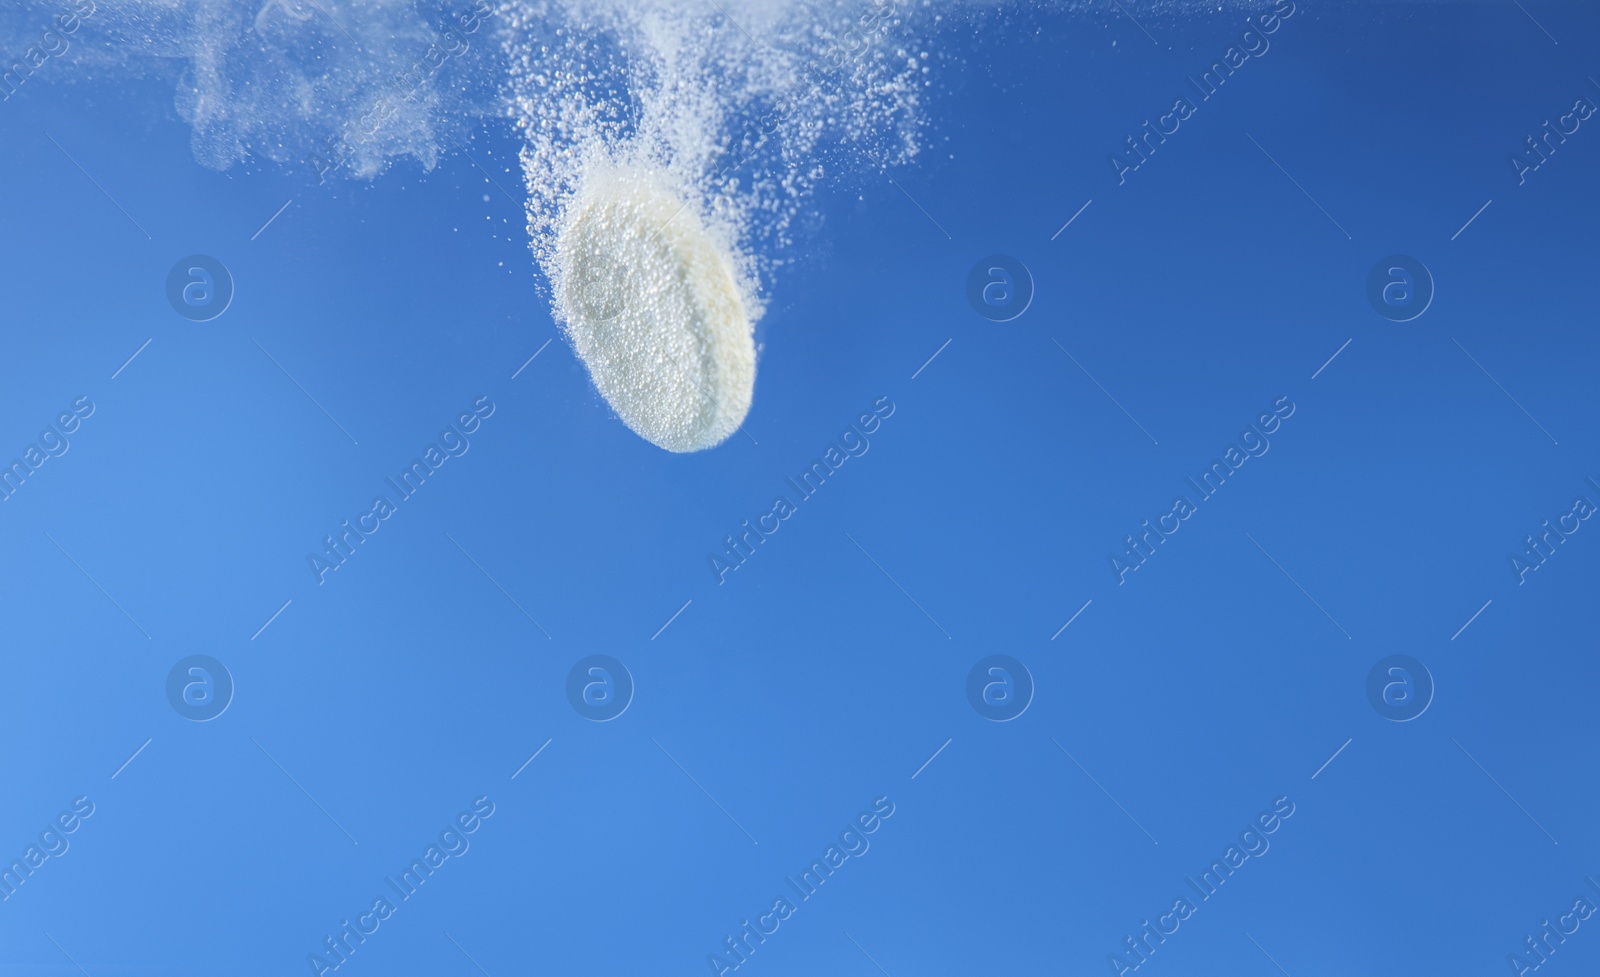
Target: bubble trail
(669,147)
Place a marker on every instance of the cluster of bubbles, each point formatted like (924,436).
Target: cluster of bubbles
(330,86)
(740,108)
(728,112)
(743,105)
(668,149)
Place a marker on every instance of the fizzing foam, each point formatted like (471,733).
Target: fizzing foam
(668,145)
(652,305)
(669,149)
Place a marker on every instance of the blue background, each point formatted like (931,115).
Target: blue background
(808,684)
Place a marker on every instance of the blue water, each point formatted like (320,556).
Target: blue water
(1187,695)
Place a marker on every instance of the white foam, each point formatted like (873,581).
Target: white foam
(733,110)
(717,121)
(651,304)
